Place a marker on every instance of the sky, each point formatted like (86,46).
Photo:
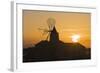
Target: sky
(67,24)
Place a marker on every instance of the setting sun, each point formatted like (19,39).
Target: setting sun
(75,38)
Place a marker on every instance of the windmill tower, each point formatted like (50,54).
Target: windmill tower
(53,35)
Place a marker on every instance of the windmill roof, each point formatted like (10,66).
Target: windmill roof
(54,29)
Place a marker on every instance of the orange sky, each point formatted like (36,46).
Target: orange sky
(67,24)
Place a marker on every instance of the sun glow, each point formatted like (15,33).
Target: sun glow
(75,38)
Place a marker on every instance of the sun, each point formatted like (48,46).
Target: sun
(75,38)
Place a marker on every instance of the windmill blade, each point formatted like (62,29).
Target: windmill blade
(43,29)
(49,26)
(52,26)
(44,33)
(51,22)
(48,36)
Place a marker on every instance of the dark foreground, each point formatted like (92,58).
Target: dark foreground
(45,51)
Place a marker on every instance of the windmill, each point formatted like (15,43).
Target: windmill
(51,24)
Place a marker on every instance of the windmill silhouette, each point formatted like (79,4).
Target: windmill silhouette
(52,36)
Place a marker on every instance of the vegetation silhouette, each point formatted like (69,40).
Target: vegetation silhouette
(55,49)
